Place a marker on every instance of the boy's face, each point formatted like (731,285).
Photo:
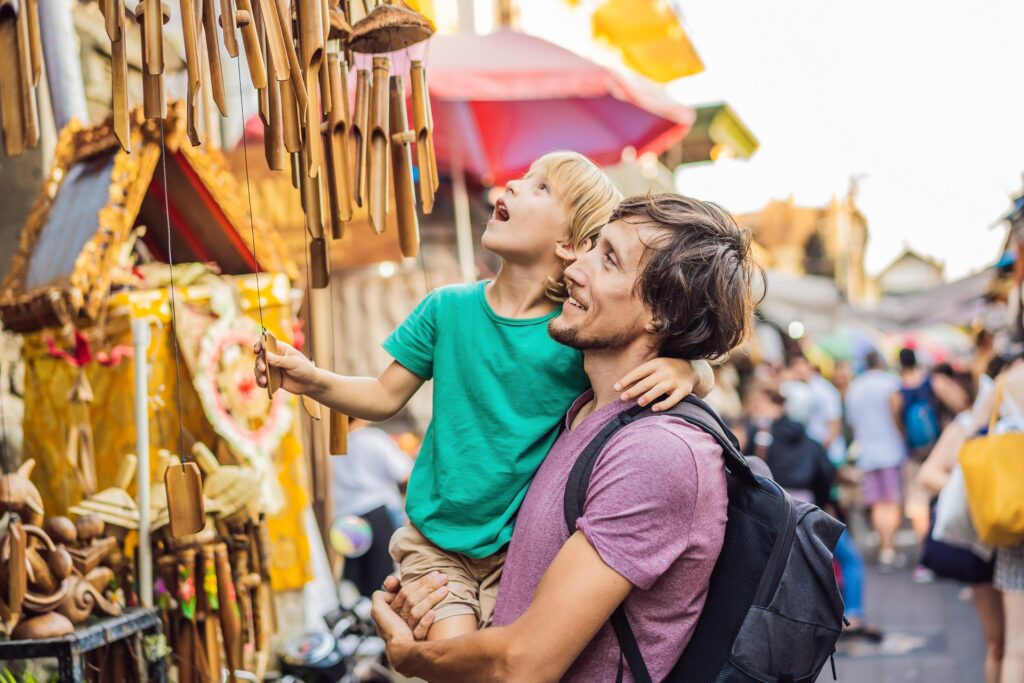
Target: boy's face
(528,219)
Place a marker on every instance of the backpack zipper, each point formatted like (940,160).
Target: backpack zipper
(770,581)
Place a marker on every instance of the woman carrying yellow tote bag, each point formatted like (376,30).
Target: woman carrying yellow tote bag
(993,467)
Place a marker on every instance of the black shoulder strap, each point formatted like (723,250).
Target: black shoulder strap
(697,413)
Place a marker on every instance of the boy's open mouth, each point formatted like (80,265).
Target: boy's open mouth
(500,211)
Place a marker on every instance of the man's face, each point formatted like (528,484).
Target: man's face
(603,310)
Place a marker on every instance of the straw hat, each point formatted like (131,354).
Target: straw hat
(388,28)
(114,506)
(233,489)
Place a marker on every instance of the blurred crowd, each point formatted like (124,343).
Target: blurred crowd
(875,443)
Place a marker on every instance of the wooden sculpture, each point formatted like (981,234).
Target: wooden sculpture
(379,144)
(114,505)
(19,496)
(14,573)
(401,164)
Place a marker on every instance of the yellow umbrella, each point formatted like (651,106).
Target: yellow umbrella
(650,37)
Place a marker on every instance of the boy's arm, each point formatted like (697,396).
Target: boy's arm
(673,378)
(370,398)
(576,597)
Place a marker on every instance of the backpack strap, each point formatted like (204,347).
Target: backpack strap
(700,415)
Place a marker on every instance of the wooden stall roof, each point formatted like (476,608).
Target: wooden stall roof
(93,196)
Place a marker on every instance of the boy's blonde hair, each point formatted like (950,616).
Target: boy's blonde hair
(590,197)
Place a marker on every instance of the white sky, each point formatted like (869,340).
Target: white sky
(924,98)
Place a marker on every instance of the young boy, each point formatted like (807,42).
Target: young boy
(501,385)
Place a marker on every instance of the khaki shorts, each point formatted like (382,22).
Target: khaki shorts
(472,583)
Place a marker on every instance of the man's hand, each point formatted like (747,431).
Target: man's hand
(415,601)
(391,627)
(298,374)
(672,378)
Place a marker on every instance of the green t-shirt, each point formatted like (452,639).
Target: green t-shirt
(501,389)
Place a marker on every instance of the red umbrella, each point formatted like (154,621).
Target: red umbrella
(502,100)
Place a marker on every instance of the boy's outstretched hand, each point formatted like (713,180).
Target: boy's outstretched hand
(671,378)
(298,374)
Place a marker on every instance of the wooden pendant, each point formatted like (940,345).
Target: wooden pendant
(319,274)
(185,504)
(245,19)
(274,375)
(422,123)
(339,188)
(213,50)
(360,127)
(401,164)
(194,69)
(380,131)
(338,434)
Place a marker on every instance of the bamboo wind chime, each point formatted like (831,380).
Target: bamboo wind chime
(21,63)
(298,54)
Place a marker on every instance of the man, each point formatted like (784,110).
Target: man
(825,421)
(881,448)
(669,276)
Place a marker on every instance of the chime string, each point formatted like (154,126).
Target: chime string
(174,314)
(248,192)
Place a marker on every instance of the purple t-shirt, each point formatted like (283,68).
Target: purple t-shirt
(655,512)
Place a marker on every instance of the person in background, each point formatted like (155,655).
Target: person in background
(366,482)
(882,450)
(825,421)
(919,406)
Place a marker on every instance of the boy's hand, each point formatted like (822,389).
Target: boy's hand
(415,601)
(672,378)
(298,374)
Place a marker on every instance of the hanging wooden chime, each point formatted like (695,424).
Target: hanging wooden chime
(20,64)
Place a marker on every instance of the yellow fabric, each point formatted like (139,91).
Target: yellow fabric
(994,473)
(48,412)
(650,37)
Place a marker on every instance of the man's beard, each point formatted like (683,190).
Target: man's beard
(573,338)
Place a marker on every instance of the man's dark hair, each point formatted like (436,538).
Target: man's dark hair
(908,359)
(697,277)
(874,361)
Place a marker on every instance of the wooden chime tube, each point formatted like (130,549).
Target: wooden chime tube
(211,621)
(213,50)
(193,69)
(294,67)
(311,38)
(13,88)
(273,129)
(228,26)
(246,19)
(319,272)
(380,131)
(35,42)
(154,99)
(422,122)
(312,200)
(119,72)
(277,57)
(339,187)
(231,628)
(401,165)
(360,127)
(338,434)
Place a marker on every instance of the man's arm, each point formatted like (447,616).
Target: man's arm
(576,597)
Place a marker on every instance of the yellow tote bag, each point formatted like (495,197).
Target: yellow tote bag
(993,467)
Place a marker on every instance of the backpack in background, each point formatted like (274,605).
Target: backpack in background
(773,612)
(920,417)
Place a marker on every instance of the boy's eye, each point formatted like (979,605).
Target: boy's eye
(544,187)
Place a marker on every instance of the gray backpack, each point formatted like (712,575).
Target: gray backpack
(773,612)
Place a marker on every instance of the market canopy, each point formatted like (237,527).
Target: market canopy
(503,99)
(718,133)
